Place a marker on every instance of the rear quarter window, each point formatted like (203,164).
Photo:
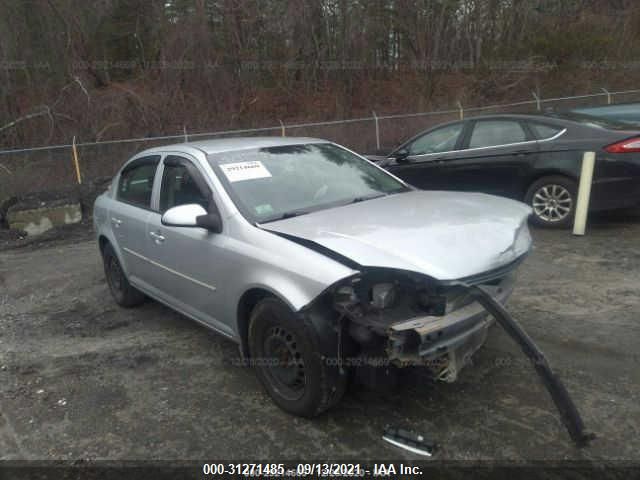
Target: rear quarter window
(542,131)
(136,182)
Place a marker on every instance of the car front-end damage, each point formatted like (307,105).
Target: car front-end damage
(389,317)
(429,284)
(446,343)
(400,318)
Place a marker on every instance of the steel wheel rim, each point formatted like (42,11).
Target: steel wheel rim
(284,363)
(552,203)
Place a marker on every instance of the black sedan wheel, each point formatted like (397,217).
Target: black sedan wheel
(553,201)
(123,293)
(293,363)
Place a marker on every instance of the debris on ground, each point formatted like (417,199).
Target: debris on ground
(410,441)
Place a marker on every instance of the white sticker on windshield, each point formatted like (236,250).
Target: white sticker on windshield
(236,172)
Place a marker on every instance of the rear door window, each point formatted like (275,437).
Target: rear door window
(493,133)
(136,181)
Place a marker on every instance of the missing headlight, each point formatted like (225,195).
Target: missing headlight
(383,295)
(345,295)
(433,304)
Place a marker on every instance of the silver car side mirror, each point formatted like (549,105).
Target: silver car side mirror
(183,215)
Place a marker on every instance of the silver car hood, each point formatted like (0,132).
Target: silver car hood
(446,235)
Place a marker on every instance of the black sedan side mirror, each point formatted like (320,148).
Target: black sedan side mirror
(400,155)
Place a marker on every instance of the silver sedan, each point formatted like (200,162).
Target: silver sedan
(313,259)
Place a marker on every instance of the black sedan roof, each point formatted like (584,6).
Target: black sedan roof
(556,118)
(578,125)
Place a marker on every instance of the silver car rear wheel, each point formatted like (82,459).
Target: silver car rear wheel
(121,290)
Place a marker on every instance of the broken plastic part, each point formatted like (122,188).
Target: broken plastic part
(568,411)
(410,441)
(449,373)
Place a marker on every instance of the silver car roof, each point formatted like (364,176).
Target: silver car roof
(236,143)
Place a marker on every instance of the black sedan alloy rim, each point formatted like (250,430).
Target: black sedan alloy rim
(552,203)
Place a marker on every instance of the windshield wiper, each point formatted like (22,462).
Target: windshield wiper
(293,213)
(285,215)
(297,213)
(368,197)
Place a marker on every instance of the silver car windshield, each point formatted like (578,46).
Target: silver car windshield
(279,182)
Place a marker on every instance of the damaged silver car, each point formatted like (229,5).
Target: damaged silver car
(308,255)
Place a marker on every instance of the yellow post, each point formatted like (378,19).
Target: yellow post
(75,160)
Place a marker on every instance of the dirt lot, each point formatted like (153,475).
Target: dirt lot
(82,378)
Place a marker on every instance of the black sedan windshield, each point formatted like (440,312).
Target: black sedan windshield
(279,182)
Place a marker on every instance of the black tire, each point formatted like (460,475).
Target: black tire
(553,200)
(123,293)
(308,384)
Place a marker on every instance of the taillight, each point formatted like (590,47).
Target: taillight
(625,146)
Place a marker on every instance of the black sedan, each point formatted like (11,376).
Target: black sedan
(533,158)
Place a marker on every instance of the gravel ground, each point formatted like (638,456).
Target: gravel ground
(81,378)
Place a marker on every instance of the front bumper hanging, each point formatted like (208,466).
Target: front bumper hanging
(568,411)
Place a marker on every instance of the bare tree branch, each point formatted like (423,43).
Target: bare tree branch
(65,116)
(44,110)
(105,128)
(77,80)
(52,123)
(48,111)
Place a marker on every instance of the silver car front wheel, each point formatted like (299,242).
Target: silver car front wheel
(293,360)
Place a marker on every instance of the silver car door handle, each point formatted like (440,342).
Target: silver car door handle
(157,237)
(116,222)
